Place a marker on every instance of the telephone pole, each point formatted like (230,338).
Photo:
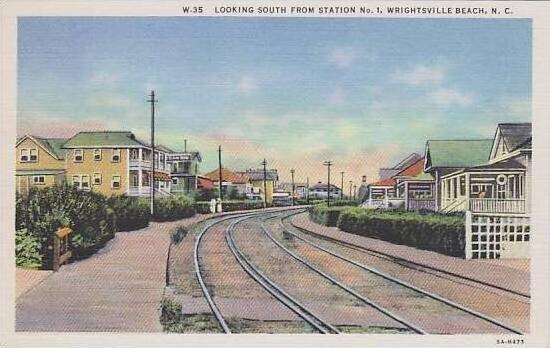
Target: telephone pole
(354,192)
(328,164)
(307,190)
(342,186)
(264,164)
(152,100)
(220,171)
(350,186)
(293,186)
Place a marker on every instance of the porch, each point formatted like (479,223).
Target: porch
(496,192)
(383,197)
(417,194)
(140,183)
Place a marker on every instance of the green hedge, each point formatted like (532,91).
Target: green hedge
(324,215)
(173,208)
(93,218)
(131,213)
(435,232)
(43,211)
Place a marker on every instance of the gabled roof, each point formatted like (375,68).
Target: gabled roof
(384,173)
(323,186)
(412,170)
(515,134)
(51,145)
(456,153)
(103,138)
(227,176)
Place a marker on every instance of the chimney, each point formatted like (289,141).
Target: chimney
(364,178)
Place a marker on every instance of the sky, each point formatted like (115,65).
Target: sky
(361,92)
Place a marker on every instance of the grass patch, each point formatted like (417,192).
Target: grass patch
(174,321)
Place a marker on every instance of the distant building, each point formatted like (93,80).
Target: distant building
(256,177)
(321,191)
(184,170)
(232,183)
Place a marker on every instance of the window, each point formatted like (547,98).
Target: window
(78,155)
(97,179)
(38,179)
(135,180)
(175,181)
(24,155)
(76,181)
(115,183)
(97,154)
(33,155)
(462,185)
(116,155)
(85,182)
(134,154)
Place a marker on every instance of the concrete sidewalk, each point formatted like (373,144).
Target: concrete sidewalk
(510,274)
(119,289)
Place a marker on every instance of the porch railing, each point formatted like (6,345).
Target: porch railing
(495,205)
(139,191)
(415,204)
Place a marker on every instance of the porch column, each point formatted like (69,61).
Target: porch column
(467,191)
(386,196)
(370,195)
(406,195)
(436,191)
(139,176)
(140,151)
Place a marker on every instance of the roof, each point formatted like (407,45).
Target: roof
(103,138)
(412,170)
(51,145)
(457,153)
(258,174)
(515,135)
(227,176)
(384,182)
(384,173)
(323,186)
(204,182)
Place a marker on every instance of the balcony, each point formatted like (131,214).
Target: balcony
(496,205)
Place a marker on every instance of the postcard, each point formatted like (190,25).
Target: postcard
(275,173)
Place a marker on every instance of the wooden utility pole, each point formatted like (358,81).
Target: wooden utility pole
(328,164)
(342,186)
(307,190)
(293,186)
(152,100)
(220,171)
(354,192)
(350,186)
(265,182)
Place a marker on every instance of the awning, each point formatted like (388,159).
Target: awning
(161,176)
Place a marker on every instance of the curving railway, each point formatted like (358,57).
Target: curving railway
(328,286)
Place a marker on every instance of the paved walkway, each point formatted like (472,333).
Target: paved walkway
(26,279)
(118,289)
(511,274)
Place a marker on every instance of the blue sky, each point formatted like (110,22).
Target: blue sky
(362,92)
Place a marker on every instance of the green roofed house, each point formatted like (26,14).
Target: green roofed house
(40,162)
(443,157)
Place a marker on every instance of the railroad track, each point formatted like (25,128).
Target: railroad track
(277,292)
(376,272)
(451,276)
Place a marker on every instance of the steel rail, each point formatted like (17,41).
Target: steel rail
(275,290)
(214,308)
(344,287)
(408,285)
(401,261)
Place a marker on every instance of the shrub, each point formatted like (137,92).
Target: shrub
(324,215)
(435,232)
(45,210)
(27,249)
(173,208)
(178,235)
(204,207)
(131,213)
(343,202)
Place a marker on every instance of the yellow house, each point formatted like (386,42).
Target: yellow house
(115,162)
(40,162)
(257,180)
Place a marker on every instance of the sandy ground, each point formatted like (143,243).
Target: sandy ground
(26,279)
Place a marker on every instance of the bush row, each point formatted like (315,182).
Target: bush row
(324,215)
(435,232)
(93,218)
(204,207)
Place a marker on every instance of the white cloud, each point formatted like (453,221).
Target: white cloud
(421,75)
(247,85)
(342,57)
(447,97)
